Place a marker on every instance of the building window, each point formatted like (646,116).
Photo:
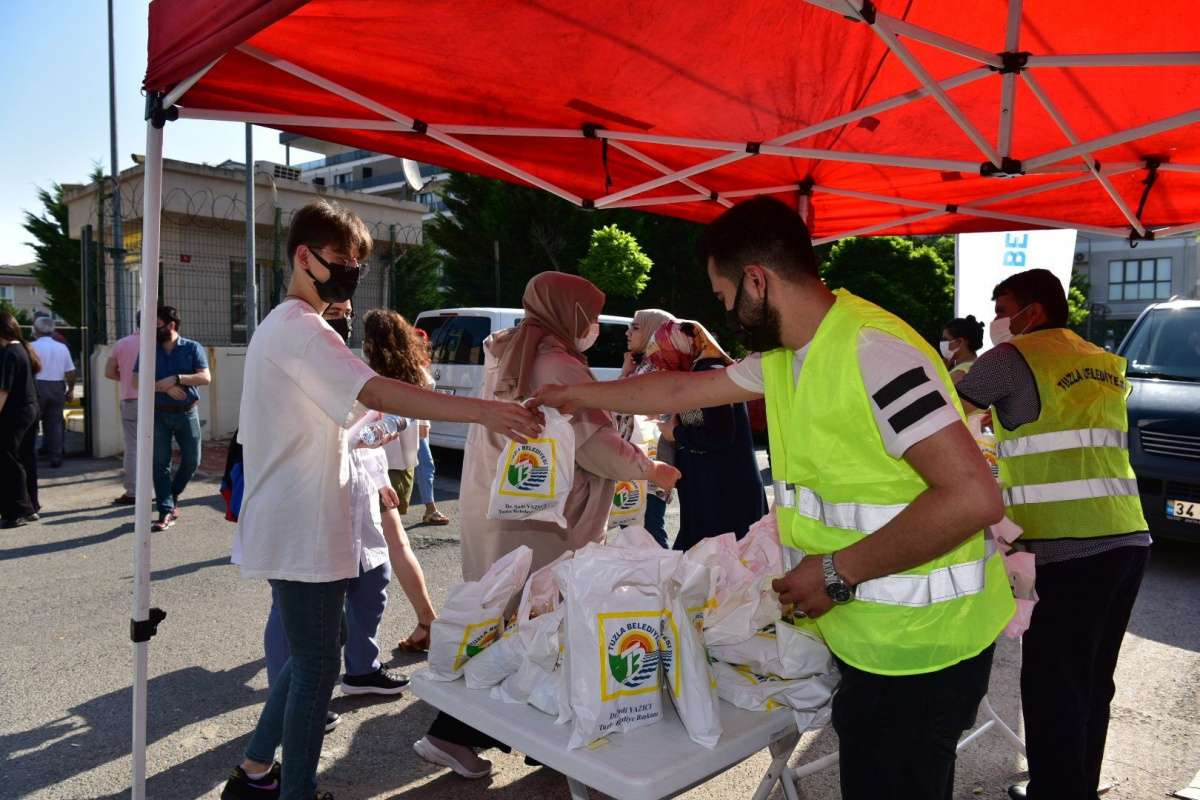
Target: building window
(368,172)
(1139,279)
(341,178)
(6,293)
(319,181)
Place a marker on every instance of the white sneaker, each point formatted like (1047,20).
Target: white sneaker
(436,755)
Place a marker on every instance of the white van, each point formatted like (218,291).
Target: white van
(456,339)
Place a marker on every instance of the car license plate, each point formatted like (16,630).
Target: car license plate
(1184,510)
(446,391)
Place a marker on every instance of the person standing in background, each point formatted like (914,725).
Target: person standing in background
(18,426)
(55,386)
(426,470)
(119,367)
(962,339)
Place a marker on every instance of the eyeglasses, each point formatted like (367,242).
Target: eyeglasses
(363,269)
(337,313)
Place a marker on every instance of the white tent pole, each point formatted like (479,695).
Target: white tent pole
(144,489)
(663,168)
(1116,60)
(784,189)
(882,28)
(295,120)
(803,133)
(885,159)
(1008,81)
(429,130)
(1175,230)
(181,88)
(879,198)
(643,202)
(1169,167)
(1044,222)
(1088,158)
(915,32)
(882,226)
(1120,137)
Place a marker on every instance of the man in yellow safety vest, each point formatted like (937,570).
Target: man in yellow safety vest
(880,491)
(1058,408)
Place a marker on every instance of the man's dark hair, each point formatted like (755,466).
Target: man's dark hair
(761,231)
(169,314)
(326,224)
(1037,286)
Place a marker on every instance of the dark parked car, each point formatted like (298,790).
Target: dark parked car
(1163,354)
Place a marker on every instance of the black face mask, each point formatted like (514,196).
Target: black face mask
(759,336)
(342,326)
(342,282)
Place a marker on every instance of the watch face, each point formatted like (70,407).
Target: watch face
(839,592)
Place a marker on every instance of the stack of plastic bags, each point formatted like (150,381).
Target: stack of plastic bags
(602,638)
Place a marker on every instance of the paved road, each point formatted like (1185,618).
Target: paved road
(65,674)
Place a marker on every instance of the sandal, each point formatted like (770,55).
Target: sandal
(435,518)
(414,645)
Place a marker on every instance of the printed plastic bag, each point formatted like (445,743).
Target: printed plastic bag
(496,662)
(473,615)
(538,628)
(612,632)
(809,698)
(534,479)
(745,602)
(690,683)
(629,497)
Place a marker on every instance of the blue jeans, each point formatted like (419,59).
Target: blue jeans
(185,428)
(423,481)
(366,598)
(656,518)
(294,714)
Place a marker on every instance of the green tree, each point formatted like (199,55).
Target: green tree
(905,276)
(22,316)
(615,263)
(1078,306)
(57,256)
(415,275)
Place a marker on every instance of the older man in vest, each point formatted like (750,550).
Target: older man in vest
(1058,407)
(877,482)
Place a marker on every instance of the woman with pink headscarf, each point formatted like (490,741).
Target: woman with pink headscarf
(721,489)
(562,320)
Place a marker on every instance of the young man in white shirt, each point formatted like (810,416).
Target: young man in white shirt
(882,484)
(303,390)
(55,386)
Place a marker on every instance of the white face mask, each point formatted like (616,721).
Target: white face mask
(1000,330)
(947,350)
(589,338)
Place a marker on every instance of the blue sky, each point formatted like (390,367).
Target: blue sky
(54,106)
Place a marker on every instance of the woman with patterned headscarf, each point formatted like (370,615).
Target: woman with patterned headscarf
(721,489)
(562,320)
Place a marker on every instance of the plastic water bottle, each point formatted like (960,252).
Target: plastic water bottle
(374,433)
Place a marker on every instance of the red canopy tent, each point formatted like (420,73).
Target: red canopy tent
(873,116)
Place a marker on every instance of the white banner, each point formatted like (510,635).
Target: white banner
(982,260)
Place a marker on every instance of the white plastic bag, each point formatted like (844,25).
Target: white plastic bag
(473,615)
(613,651)
(538,628)
(534,479)
(496,662)
(690,683)
(629,497)
(745,602)
(809,698)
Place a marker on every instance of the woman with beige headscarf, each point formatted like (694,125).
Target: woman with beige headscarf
(562,314)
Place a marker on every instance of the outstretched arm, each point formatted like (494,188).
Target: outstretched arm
(656,393)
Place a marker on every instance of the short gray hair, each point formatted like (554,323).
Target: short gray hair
(44,325)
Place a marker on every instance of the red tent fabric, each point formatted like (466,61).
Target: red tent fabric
(596,99)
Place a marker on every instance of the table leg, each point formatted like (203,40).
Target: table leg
(578,790)
(781,750)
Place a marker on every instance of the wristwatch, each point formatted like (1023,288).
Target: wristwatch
(838,590)
(178,381)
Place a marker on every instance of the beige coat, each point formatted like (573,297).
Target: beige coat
(601,457)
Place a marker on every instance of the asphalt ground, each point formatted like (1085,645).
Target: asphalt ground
(67,662)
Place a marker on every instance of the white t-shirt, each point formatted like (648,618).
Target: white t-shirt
(908,400)
(56,359)
(299,397)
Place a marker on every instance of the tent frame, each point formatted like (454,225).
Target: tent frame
(997,162)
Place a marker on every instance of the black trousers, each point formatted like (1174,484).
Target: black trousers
(898,734)
(449,729)
(1070,653)
(18,467)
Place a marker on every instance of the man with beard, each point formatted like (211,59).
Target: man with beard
(881,496)
(179,367)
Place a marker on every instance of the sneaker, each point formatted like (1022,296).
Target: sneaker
(241,787)
(332,720)
(17,522)
(165,520)
(125,500)
(323,796)
(34,517)
(381,681)
(436,755)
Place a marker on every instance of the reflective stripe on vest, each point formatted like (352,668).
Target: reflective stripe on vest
(937,586)
(1063,440)
(1085,489)
(860,517)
